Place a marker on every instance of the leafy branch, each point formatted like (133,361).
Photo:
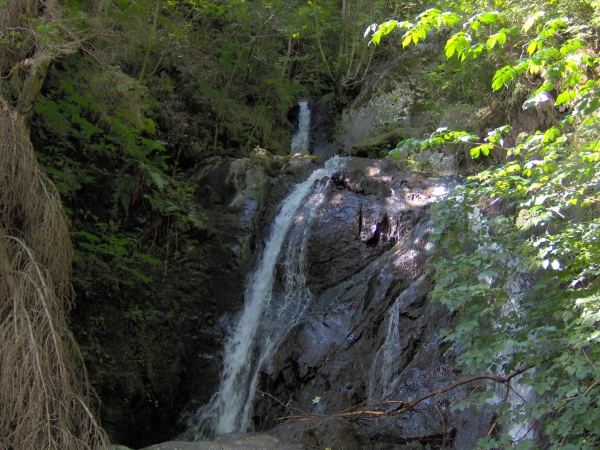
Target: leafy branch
(563,67)
(517,258)
(443,136)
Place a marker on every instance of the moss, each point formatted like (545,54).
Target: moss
(363,100)
(378,146)
(270,164)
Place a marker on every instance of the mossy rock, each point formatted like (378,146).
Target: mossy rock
(379,145)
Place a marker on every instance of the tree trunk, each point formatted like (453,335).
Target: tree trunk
(32,86)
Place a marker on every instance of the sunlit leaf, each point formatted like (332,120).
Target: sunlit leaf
(531,20)
(536,100)
(503,77)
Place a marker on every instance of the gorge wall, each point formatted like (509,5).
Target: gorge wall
(370,336)
(366,247)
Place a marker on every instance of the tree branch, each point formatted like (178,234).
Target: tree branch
(463,381)
(33,85)
(407,406)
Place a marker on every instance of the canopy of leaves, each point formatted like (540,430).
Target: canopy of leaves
(518,257)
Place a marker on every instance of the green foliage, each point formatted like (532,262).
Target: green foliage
(109,257)
(551,259)
(427,20)
(113,175)
(560,62)
(99,120)
(518,255)
(125,194)
(442,136)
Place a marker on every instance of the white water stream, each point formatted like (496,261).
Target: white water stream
(266,317)
(301,138)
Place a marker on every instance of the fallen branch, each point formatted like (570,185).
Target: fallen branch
(463,381)
(409,405)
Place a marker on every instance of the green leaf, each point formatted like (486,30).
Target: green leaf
(503,77)
(384,29)
(457,43)
(564,97)
(531,48)
(490,17)
(484,148)
(86,235)
(498,38)
(157,178)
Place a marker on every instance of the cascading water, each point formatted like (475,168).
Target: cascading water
(385,380)
(301,138)
(266,316)
(519,393)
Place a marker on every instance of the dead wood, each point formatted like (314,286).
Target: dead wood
(405,406)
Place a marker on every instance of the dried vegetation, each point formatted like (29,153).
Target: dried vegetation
(45,400)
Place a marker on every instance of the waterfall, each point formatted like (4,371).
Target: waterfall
(300,139)
(385,378)
(265,317)
(521,428)
(520,393)
(386,373)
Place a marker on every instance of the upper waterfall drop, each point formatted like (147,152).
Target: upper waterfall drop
(301,138)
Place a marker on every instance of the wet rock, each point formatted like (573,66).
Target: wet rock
(331,432)
(378,145)
(233,441)
(371,335)
(384,103)
(322,124)
(361,219)
(237,196)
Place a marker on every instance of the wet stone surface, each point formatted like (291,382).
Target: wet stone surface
(232,441)
(370,334)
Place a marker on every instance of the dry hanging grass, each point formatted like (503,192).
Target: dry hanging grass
(44,395)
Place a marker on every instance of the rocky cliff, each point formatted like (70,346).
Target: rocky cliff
(370,339)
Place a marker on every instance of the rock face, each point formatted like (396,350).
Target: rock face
(233,441)
(322,124)
(371,334)
(384,104)
(388,111)
(395,104)
(238,196)
(370,338)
